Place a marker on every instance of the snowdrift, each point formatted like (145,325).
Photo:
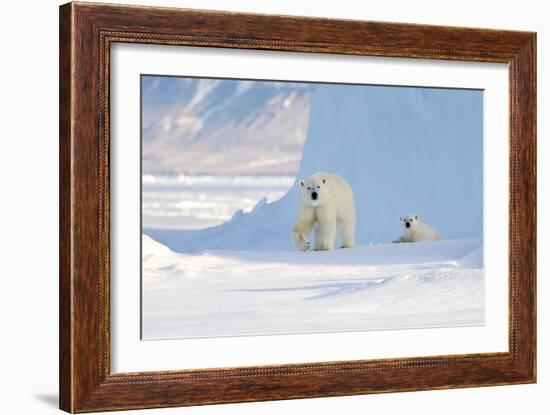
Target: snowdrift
(387,286)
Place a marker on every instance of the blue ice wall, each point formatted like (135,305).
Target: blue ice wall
(404,150)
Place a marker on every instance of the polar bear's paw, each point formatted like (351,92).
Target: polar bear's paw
(348,245)
(302,244)
(323,246)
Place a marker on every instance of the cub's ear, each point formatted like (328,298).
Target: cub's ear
(302,183)
(416,217)
(401,218)
(324,181)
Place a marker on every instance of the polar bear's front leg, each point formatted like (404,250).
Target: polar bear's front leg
(301,242)
(403,239)
(325,236)
(302,228)
(316,237)
(326,232)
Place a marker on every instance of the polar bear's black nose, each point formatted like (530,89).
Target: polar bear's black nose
(407,224)
(314,195)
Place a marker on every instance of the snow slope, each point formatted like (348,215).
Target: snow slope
(403,149)
(387,286)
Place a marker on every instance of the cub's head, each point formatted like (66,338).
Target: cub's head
(409,222)
(314,190)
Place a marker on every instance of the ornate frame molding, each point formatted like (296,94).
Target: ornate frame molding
(86,34)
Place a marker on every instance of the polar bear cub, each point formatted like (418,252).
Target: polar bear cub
(416,231)
(327,207)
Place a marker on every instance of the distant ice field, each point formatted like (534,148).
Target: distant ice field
(202,201)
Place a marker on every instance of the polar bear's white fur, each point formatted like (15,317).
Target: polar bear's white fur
(326,207)
(416,231)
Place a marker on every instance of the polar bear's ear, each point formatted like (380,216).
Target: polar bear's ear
(302,183)
(401,218)
(416,217)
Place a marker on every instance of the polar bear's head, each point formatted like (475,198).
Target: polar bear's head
(410,222)
(314,190)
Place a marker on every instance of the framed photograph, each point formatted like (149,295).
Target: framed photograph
(258,207)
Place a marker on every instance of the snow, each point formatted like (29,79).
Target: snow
(386,286)
(403,150)
(205,126)
(204,87)
(194,202)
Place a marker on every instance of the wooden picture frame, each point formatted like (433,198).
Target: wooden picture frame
(86,33)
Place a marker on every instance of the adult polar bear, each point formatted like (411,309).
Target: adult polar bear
(326,206)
